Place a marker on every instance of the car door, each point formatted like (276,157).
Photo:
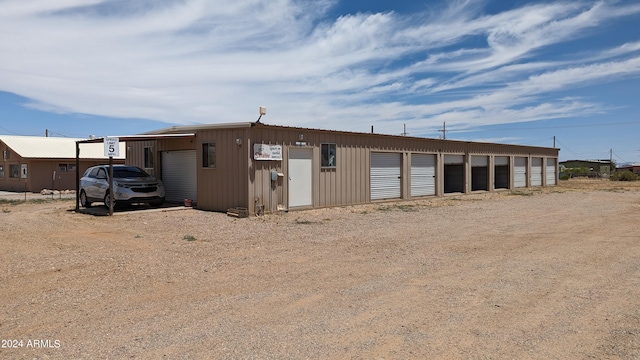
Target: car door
(101,184)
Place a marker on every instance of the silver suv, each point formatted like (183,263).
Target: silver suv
(132,185)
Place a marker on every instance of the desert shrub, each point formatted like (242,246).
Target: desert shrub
(623,176)
(565,177)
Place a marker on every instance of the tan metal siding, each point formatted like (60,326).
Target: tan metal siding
(346,184)
(225,186)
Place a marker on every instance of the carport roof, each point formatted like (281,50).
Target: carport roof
(139,137)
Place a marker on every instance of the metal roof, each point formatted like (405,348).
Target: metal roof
(36,147)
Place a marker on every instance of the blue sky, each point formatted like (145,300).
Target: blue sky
(516,72)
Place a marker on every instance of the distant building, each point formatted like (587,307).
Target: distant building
(634,168)
(32,163)
(592,167)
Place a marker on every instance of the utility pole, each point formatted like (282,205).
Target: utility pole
(444,130)
(405,130)
(610,161)
(46,132)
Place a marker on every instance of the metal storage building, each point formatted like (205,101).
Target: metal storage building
(267,168)
(33,163)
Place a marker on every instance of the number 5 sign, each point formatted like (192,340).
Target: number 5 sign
(111,146)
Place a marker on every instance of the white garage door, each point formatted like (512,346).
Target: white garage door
(551,172)
(520,172)
(179,175)
(423,175)
(385,176)
(536,172)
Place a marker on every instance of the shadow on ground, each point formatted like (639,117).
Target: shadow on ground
(101,210)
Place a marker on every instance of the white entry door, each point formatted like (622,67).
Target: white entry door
(300,177)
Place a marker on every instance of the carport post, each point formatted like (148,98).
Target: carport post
(111,191)
(77,175)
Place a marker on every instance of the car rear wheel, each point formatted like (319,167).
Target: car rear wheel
(84,202)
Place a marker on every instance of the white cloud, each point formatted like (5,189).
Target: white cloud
(194,61)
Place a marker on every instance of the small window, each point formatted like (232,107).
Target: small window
(148,158)
(328,152)
(1,171)
(62,167)
(102,174)
(209,155)
(14,171)
(71,167)
(6,154)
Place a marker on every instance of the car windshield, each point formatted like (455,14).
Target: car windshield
(128,172)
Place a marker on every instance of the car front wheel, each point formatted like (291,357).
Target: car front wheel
(107,200)
(84,202)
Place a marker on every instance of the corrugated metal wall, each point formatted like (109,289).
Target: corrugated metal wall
(225,186)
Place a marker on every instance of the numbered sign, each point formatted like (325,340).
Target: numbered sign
(111,146)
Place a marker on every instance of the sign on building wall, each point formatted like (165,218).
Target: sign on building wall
(267,152)
(23,173)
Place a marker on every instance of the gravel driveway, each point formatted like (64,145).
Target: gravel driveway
(534,274)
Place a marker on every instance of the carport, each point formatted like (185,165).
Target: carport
(128,139)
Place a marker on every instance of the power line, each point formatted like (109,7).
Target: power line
(551,127)
(619,158)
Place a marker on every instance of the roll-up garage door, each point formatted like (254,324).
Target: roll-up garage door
(179,174)
(423,175)
(501,171)
(536,172)
(479,173)
(385,176)
(453,174)
(520,172)
(551,172)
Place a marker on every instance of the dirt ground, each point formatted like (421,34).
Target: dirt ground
(532,274)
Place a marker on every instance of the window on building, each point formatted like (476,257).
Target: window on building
(6,154)
(328,153)
(209,155)
(62,167)
(1,171)
(148,158)
(14,171)
(71,167)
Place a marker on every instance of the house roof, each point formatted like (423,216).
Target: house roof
(55,147)
(604,162)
